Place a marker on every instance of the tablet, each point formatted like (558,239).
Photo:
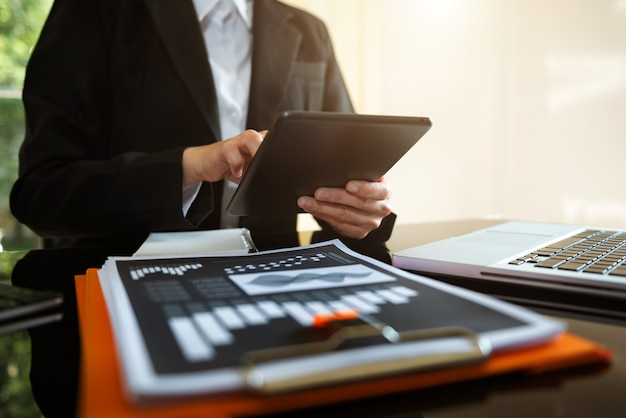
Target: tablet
(306,150)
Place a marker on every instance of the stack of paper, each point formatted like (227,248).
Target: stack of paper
(216,241)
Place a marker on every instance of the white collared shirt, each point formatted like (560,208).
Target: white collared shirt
(227,25)
(227,28)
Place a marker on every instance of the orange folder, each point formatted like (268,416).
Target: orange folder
(101,392)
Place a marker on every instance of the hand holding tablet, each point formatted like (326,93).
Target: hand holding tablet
(306,150)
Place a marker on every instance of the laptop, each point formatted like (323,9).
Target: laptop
(567,267)
(22,308)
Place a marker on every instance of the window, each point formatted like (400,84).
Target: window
(20,24)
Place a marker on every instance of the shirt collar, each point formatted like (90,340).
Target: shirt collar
(244,7)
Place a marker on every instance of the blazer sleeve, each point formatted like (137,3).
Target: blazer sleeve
(81,174)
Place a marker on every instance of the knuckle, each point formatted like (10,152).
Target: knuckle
(388,191)
(361,233)
(387,209)
(344,215)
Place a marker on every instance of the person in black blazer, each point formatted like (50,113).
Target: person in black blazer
(121,111)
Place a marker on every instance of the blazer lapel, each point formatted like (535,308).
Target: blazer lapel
(177,24)
(275,49)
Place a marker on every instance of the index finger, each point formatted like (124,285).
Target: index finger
(240,150)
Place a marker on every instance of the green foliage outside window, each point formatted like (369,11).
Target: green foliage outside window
(15,395)
(20,25)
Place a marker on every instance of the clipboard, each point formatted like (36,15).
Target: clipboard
(102,388)
(182,325)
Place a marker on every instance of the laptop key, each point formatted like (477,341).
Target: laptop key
(550,263)
(572,265)
(596,269)
(619,271)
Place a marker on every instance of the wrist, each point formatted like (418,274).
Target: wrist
(189,164)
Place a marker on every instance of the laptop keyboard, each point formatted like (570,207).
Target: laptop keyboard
(591,251)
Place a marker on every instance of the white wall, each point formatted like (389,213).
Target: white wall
(528,100)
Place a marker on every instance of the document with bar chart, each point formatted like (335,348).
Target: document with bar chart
(294,318)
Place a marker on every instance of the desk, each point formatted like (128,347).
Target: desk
(587,392)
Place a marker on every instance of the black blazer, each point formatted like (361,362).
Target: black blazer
(115,91)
